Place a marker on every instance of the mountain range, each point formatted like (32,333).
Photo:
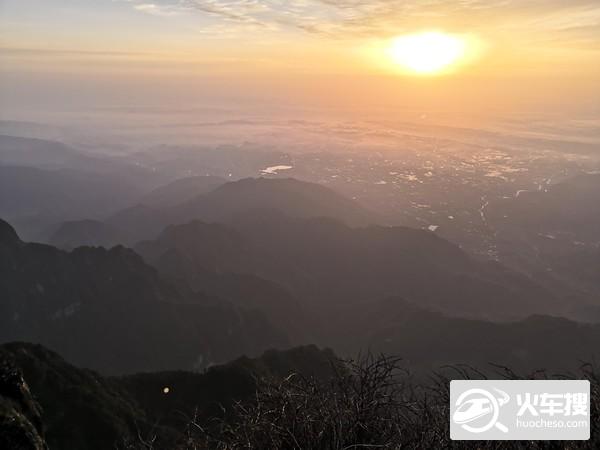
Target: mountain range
(328,264)
(68,301)
(290,196)
(46,402)
(216,296)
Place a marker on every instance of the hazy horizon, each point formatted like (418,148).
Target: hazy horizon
(314,55)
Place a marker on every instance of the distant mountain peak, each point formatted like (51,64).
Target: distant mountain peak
(8,234)
(270,182)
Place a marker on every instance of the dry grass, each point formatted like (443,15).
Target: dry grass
(369,403)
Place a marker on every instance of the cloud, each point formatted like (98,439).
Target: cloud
(157,10)
(236,10)
(382,18)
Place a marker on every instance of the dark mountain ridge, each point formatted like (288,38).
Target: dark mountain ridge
(428,340)
(181,190)
(108,310)
(47,402)
(328,264)
(79,233)
(293,197)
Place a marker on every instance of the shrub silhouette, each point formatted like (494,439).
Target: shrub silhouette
(369,403)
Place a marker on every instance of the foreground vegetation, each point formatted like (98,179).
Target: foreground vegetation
(368,403)
(299,399)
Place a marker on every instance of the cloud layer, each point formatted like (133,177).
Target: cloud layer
(575,20)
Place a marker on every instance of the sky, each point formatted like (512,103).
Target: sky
(524,54)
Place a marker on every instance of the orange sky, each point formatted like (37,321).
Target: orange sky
(531,54)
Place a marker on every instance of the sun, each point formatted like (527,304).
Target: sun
(427,53)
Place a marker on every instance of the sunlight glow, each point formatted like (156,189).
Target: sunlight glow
(427,53)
